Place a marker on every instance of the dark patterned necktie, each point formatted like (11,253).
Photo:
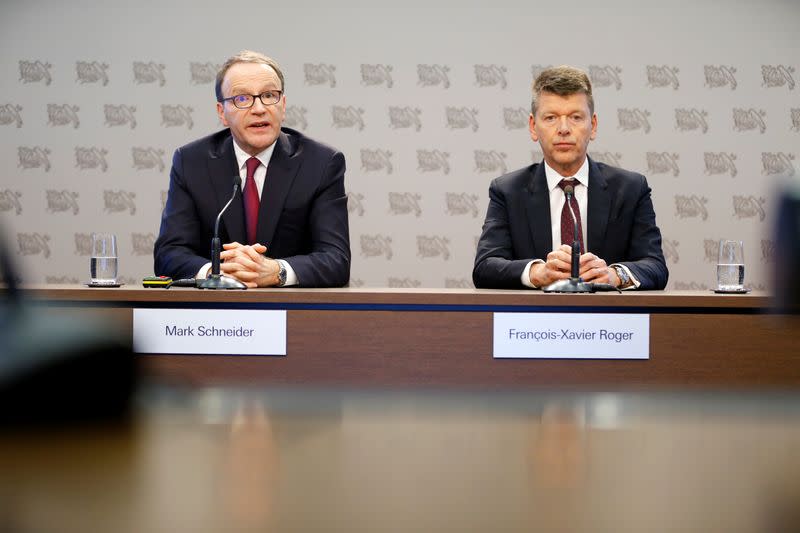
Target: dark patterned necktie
(251,200)
(567,225)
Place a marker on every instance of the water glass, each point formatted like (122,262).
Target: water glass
(103,263)
(730,266)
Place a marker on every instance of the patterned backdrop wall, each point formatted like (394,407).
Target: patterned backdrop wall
(428,102)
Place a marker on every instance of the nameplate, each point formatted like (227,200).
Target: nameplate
(209,331)
(571,336)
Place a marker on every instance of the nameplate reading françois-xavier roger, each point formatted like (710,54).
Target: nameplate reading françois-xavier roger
(571,336)
(209,331)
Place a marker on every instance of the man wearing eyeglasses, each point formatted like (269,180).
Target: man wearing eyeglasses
(289,226)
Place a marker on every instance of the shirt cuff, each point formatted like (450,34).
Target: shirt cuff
(627,270)
(291,277)
(526,274)
(203,272)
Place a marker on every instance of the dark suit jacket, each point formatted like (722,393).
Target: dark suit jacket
(302,219)
(621,226)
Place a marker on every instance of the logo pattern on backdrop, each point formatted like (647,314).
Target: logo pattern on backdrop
(749,207)
(347,117)
(515,118)
(91,72)
(692,206)
(662,163)
(320,74)
(62,201)
(149,72)
(203,73)
(720,76)
(148,158)
(461,204)
(10,201)
(10,114)
(296,118)
(173,116)
(405,203)
(142,243)
(376,246)
(749,119)
(35,71)
(455,105)
(777,76)
(63,115)
(490,161)
(605,76)
(34,244)
(120,115)
(491,76)
(691,120)
(376,160)
(720,163)
(33,157)
(777,164)
(633,120)
(119,201)
(405,117)
(662,76)
(459,118)
(91,157)
(433,75)
(433,161)
(375,75)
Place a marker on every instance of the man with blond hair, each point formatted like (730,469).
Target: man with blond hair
(290,225)
(529,226)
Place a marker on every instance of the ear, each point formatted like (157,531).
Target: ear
(221,114)
(594,127)
(532,128)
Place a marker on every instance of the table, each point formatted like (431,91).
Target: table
(443,337)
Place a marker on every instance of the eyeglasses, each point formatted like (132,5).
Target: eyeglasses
(246,101)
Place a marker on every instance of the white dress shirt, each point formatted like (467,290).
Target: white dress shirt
(259,177)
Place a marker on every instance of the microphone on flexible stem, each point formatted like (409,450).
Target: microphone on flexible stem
(574,283)
(215,280)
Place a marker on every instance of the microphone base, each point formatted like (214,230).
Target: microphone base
(219,282)
(571,285)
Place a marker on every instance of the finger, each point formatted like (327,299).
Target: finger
(260,248)
(231,245)
(587,258)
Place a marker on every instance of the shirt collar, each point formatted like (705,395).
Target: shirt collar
(264,156)
(553,177)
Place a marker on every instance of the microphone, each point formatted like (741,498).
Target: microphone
(574,283)
(569,192)
(215,280)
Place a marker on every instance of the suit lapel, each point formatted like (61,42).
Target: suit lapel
(280,175)
(599,207)
(222,167)
(537,210)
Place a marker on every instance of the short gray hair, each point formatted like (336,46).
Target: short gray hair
(563,81)
(247,56)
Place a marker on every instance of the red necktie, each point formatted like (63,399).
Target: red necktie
(251,200)
(567,226)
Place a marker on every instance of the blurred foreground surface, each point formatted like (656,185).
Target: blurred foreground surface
(312,460)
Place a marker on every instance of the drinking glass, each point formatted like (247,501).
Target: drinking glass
(103,263)
(730,266)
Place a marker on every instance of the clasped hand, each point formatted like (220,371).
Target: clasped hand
(559,266)
(248,264)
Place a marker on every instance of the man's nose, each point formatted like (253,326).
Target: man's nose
(563,125)
(258,107)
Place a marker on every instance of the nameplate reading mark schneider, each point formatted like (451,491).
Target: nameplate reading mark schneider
(209,331)
(571,336)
